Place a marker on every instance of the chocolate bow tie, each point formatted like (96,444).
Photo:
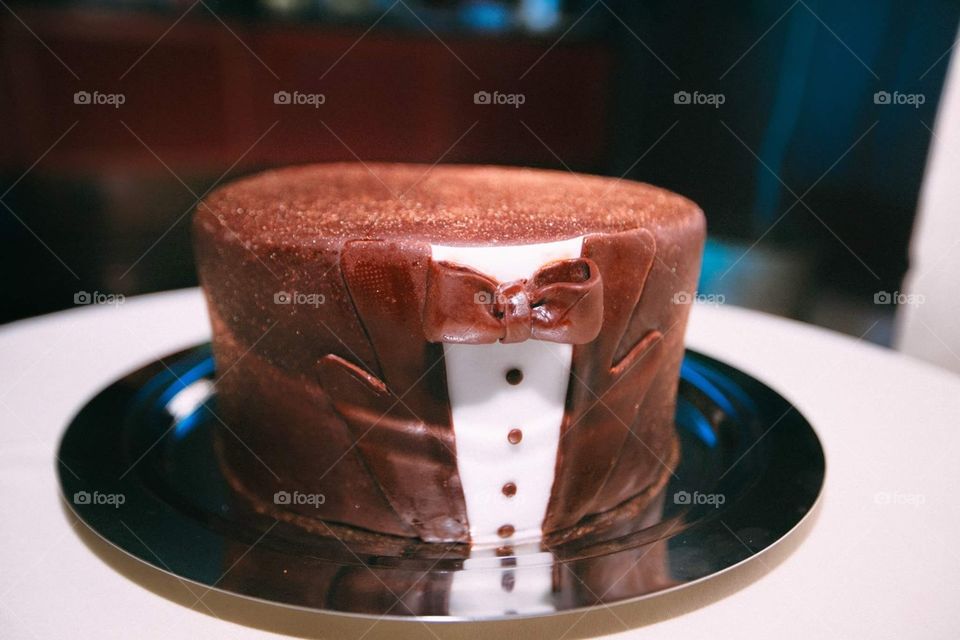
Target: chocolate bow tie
(562,302)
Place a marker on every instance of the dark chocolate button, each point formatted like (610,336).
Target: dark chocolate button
(515,436)
(505,531)
(509,489)
(514,376)
(508,580)
(502,552)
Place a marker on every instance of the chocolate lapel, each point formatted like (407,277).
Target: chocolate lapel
(397,408)
(608,379)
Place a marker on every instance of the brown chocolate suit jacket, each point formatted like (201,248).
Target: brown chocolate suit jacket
(397,409)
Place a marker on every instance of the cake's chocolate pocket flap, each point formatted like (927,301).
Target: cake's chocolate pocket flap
(638,351)
(341,378)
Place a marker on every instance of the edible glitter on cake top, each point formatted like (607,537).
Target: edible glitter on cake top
(442,204)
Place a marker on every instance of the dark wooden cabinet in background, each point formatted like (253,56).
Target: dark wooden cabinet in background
(98,202)
(202,93)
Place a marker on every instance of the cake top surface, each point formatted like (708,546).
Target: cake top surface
(443,204)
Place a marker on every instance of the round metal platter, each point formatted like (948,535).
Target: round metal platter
(138,466)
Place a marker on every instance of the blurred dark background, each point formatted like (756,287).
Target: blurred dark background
(800,127)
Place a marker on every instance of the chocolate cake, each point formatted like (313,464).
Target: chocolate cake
(455,354)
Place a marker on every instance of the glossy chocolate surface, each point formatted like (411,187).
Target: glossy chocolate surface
(347,397)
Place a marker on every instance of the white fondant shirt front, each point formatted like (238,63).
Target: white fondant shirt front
(485,407)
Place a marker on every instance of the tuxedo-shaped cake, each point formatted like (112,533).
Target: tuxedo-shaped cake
(456,354)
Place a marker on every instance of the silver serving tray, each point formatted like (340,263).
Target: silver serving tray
(137,465)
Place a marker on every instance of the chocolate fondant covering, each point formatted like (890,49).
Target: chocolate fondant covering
(339,392)
(316,204)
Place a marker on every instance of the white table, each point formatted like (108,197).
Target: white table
(878,560)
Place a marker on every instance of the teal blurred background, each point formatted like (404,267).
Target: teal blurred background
(802,128)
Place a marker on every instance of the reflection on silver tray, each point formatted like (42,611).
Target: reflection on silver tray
(138,466)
